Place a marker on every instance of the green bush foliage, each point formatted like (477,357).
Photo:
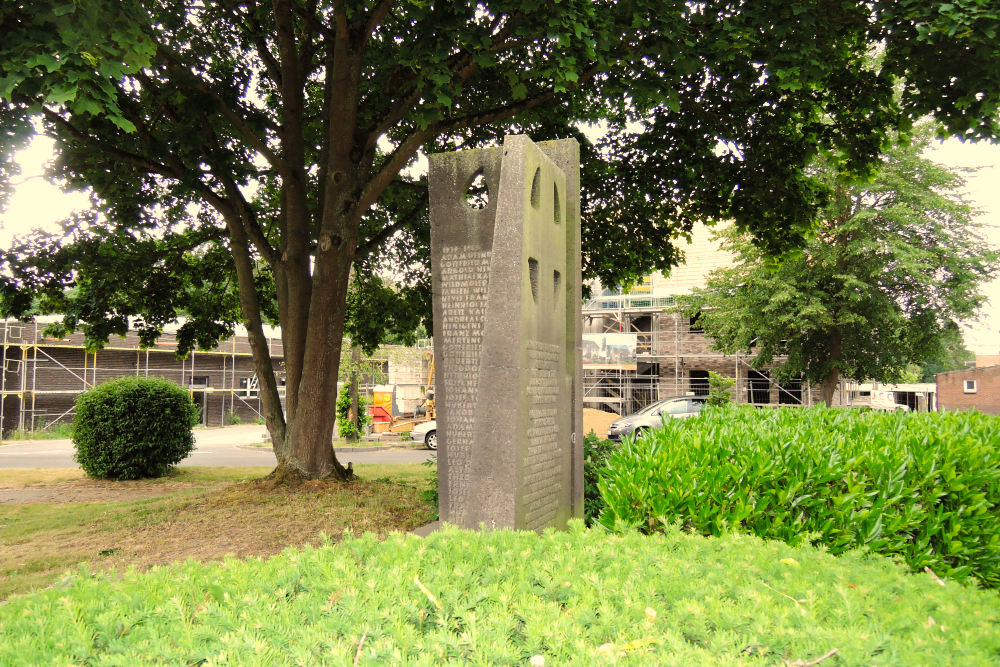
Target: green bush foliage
(921,486)
(132,427)
(502,598)
(346,428)
(596,451)
(718,389)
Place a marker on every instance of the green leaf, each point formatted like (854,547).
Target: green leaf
(45,60)
(8,83)
(123,123)
(64,9)
(86,104)
(60,94)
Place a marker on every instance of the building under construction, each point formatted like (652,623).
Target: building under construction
(43,376)
(661,353)
(636,350)
(672,357)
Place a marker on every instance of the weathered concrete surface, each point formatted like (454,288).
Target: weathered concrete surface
(507,335)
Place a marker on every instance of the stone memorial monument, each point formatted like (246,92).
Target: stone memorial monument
(507,334)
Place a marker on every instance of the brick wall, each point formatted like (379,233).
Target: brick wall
(49,374)
(952,394)
(684,354)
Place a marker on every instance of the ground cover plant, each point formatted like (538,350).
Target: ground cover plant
(924,487)
(133,427)
(54,520)
(579,596)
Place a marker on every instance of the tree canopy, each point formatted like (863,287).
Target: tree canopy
(893,264)
(952,356)
(245,157)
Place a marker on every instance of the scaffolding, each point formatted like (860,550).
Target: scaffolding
(616,388)
(674,358)
(42,376)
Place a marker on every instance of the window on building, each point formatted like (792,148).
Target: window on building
(699,383)
(642,327)
(970,387)
(694,326)
(250,386)
(790,392)
(758,387)
(199,381)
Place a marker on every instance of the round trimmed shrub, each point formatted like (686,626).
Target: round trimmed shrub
(130,427)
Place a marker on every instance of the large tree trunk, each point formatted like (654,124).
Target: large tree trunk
(303,435)
(829,384)
(309,447)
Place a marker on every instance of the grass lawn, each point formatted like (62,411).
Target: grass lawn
(54,520)
(55,432)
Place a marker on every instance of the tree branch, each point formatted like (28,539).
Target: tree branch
(340,19)
(363,250)
(378,14)
(409,146)
(462,67)
(238,122)
(146,164)
(263,52)
(250,224)
(176,172)
(310,46)
(246,216)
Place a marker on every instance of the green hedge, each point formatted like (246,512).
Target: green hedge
(502,598)
(133,427)
(923,487)
(596,451)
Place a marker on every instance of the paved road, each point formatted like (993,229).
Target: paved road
(213,447)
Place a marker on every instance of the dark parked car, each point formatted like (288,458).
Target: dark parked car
(651,416)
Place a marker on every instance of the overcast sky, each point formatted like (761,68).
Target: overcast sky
(38,204)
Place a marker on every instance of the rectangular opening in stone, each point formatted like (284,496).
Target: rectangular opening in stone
(556,279)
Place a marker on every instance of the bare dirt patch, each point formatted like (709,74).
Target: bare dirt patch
(598,421)
(89,491)
(260,519)
(55,526)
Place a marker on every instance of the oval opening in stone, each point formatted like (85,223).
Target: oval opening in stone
(536,188)
(533,277)
(477,194)
(556,210)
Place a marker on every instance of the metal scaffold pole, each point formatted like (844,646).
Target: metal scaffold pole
(24,377)
(3,381)
(34,377)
